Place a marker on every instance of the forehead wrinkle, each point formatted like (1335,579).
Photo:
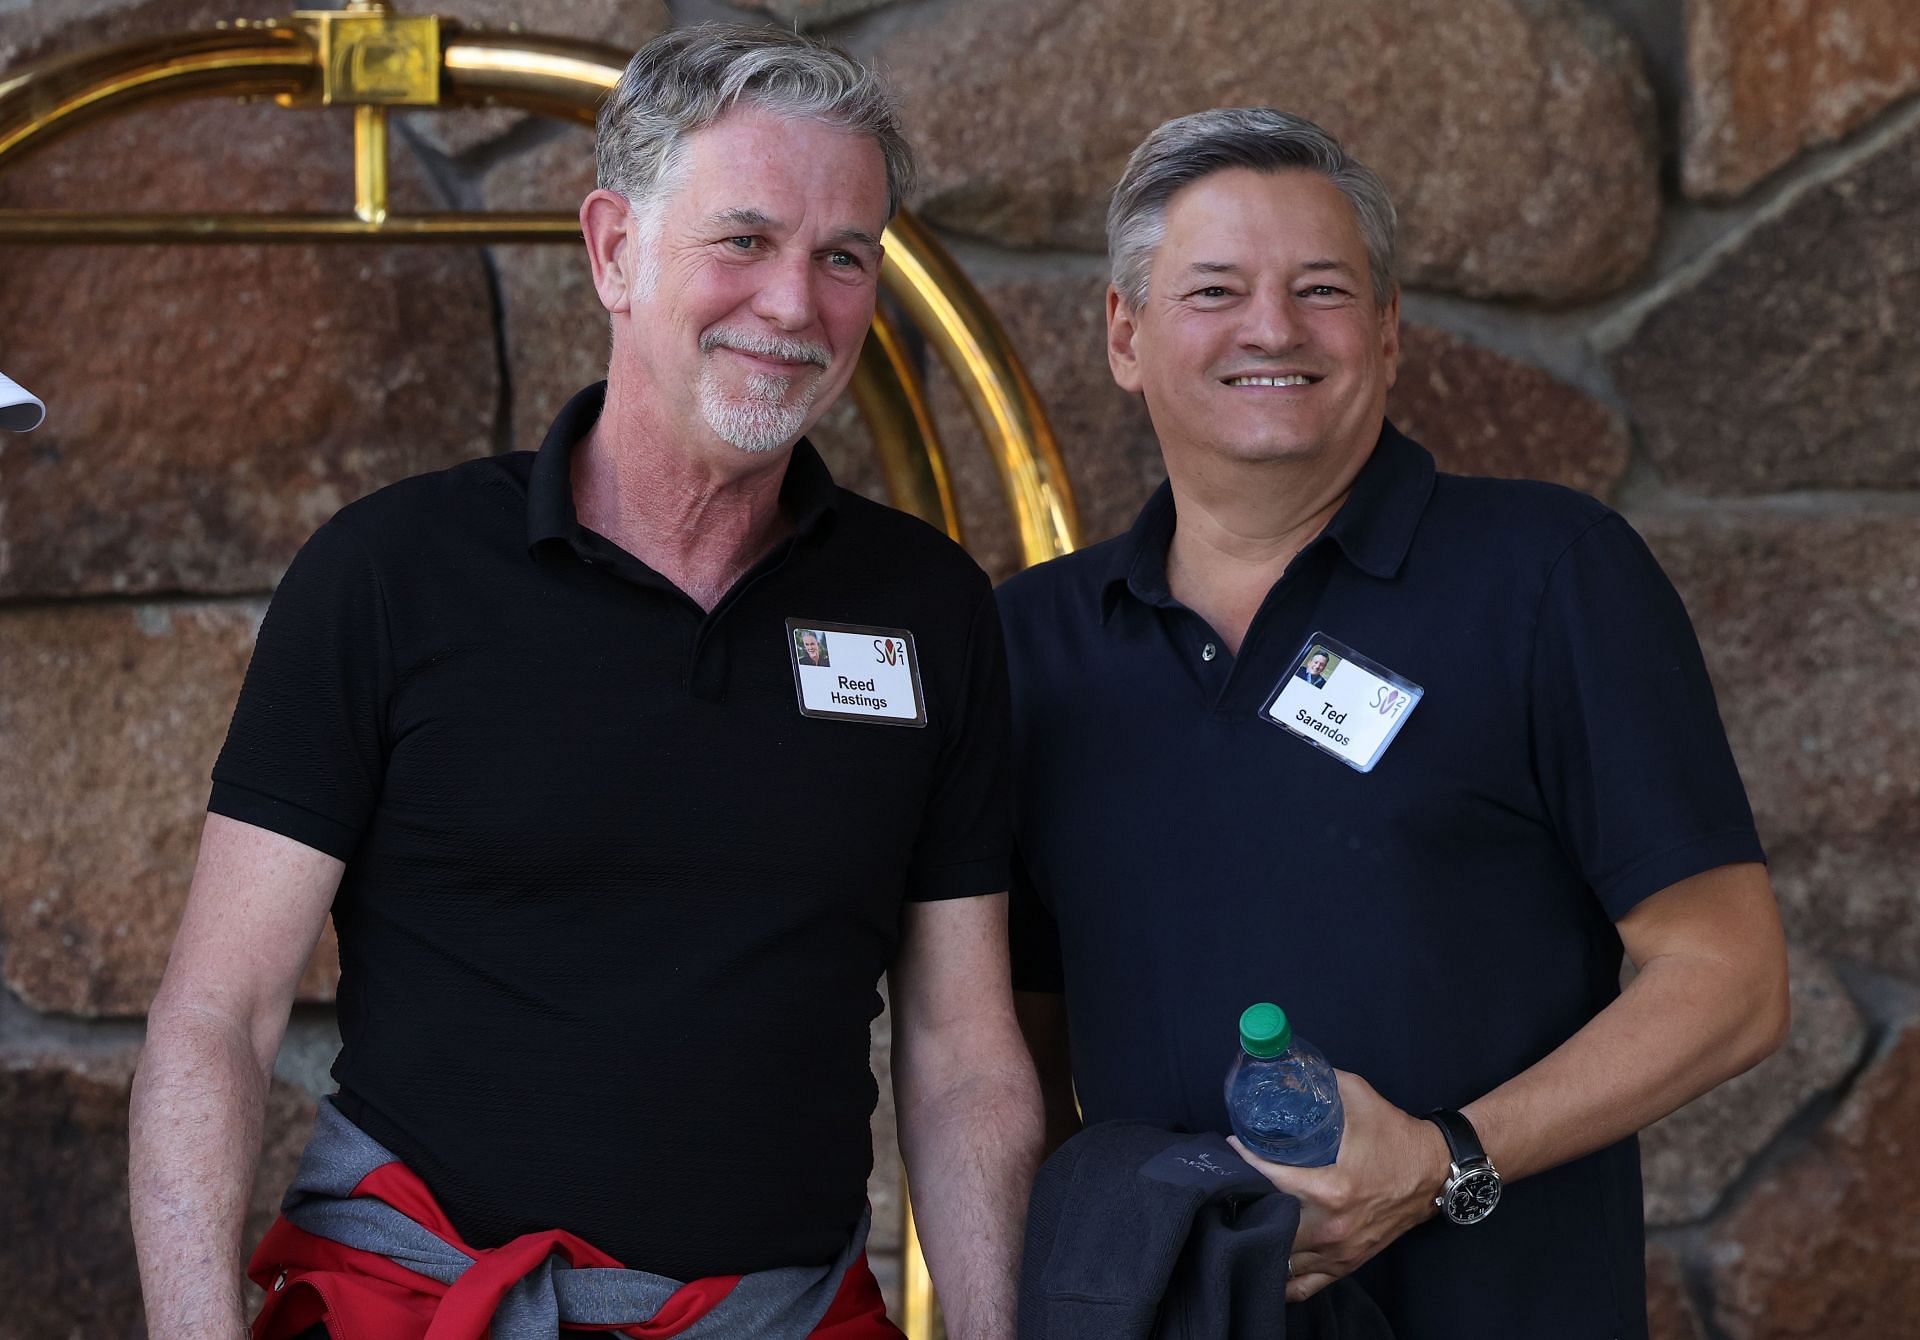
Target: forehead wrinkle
(1233,267)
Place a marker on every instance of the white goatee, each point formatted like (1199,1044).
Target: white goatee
(763,419)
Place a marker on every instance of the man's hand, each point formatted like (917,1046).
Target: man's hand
(1390,1168)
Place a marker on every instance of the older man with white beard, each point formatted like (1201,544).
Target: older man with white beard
(526,727)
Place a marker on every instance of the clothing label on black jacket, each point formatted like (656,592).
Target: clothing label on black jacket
(1207,1162)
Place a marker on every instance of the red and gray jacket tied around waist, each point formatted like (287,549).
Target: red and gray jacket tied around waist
(362,1246)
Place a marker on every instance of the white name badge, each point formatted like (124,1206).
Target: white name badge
(1340,702)
(849,672)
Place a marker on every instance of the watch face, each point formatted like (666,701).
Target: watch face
(1473,1196)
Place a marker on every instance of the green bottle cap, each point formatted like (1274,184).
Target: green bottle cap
(1264,1030)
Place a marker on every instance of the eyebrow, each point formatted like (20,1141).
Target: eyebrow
(860,235)
(742,217)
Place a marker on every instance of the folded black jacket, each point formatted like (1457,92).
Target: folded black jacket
(1138,1231)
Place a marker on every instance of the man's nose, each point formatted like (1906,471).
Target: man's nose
(786,295)
(1271,323)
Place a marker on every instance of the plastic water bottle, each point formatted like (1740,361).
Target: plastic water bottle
(1281,1093)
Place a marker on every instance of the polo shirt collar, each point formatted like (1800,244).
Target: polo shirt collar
(1139,562)
(807,492)
(1373,528)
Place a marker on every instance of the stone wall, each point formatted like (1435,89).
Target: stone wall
(1669,255)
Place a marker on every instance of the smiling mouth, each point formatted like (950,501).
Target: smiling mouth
(768,350)
(774,360)
(1286,379)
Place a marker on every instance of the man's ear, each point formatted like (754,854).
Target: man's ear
(605,219)
(1121,330)
(1390,335)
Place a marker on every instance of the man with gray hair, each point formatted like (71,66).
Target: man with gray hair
(525,728)
(1432,853)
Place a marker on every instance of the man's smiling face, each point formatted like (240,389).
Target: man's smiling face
(1260,338)
(755,282)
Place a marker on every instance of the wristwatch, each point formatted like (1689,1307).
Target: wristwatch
(1473,1184)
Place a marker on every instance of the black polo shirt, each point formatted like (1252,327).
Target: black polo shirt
(614,911)
(1437,924)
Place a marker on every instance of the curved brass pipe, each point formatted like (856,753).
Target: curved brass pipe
(559,77)
(938,295)
(43,102)
(892,399)
(545,75)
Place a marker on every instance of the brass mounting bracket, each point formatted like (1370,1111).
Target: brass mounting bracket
(370,56)
(370,59)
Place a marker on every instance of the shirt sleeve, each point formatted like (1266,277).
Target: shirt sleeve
(1632,759)
(966,831)
(305,753)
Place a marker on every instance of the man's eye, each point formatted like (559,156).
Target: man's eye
(743,243)
(1320,291)
(1210,291)
(843,260)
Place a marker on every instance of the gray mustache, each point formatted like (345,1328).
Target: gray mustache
(766,346)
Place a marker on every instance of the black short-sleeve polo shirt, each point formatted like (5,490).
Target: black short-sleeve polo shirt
(614,910)
(1437,924)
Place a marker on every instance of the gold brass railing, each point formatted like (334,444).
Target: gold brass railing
(370,58)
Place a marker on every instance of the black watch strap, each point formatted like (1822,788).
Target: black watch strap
(1473,1184)
(1463,1143)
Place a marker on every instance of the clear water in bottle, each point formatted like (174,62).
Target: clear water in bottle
(1281,1094)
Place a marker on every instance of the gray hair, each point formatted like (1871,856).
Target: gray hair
(1188,148)
(688,78)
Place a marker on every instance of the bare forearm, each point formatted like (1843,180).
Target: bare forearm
(1682,1026)
(195,1139)
(971,1148)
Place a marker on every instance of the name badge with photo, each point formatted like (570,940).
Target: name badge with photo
(850,672)
(1341,703)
